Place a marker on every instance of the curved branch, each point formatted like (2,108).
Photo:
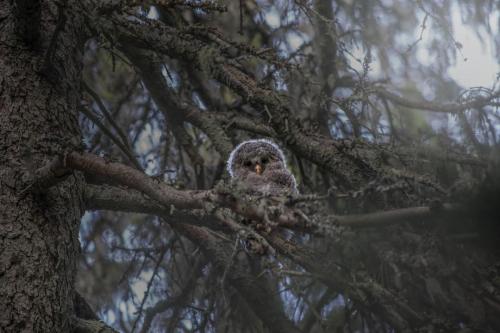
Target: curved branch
(127,200)
(165,198)
(135,179)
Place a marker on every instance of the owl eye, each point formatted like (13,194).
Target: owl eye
(264,160)
(247,164)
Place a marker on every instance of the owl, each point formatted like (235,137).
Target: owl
(260,166)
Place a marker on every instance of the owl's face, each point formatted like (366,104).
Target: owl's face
(255,157)
(260,165)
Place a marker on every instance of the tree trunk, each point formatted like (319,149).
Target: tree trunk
(40,68)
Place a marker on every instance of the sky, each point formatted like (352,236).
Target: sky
(481,66)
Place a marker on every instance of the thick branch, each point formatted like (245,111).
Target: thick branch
(165,197)
(113,198)
(103,197)
(137,180)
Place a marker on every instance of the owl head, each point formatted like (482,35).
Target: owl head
(260,165)
(254,156)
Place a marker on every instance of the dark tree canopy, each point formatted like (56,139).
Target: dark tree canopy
(116,121)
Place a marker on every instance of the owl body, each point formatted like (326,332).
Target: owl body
(260,166)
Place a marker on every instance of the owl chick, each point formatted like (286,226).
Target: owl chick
(260,166)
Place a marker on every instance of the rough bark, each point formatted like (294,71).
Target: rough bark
(39,92)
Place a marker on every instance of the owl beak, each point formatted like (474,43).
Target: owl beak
(258,169)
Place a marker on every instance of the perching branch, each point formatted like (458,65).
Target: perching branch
(127,176)
(114,198)
(159,198)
